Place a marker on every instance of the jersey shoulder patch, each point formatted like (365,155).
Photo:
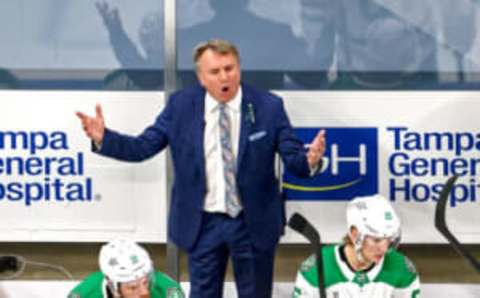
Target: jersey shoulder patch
(410,266)
(309,264)
(174,293)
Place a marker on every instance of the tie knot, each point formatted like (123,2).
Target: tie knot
(222,107)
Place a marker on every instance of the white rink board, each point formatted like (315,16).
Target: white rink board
(130,199)
(126,199)
(455,113)
(60,289)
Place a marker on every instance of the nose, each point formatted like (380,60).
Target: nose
(223,75)
(141,293)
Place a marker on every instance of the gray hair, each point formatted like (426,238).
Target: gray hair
(218,46)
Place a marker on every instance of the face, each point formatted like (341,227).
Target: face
(135,289)
(373,249)
(219,74)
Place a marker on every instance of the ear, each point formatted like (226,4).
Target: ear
(199,77)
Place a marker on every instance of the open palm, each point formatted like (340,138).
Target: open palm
(94,127)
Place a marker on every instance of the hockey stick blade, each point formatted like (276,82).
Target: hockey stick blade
(301,225)
(441,224)
(298,223)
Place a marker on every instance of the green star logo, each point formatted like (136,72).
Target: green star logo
(361,279)
(388,215)
(174,293)
(134,259)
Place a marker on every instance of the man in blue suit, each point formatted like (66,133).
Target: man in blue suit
(225,202)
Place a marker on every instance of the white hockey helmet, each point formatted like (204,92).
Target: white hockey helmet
(123,260)
(373,216)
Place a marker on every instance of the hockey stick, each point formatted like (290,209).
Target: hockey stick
(441,224)
(300,224)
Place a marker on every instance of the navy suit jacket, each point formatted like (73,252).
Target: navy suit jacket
(264,130)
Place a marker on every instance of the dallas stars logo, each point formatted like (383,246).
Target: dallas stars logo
(174,293)
(134,259)
(361,279)
(388,215)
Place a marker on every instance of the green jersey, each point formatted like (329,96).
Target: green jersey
(95,286)
(393,277)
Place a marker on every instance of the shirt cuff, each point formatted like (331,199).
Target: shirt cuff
(96,147)
(314,170)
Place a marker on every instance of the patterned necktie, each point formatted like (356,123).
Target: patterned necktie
(231,198)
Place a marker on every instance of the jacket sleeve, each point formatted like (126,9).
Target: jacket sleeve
(138,148)
(289,146)
(410,283)
(305,286)
(411,291)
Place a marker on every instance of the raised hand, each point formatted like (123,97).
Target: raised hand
(109,15)
(317,149)
(94,127)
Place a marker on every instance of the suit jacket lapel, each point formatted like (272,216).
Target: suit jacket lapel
(246,123)
(198,128)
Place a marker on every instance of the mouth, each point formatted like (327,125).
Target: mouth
(225,89)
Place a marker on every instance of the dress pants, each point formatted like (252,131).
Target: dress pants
(222,237)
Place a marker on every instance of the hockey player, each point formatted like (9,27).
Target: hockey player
(366,264)
(126,272)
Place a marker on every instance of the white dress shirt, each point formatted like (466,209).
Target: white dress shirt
(215,197)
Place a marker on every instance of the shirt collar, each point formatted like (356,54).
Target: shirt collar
(211,104)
